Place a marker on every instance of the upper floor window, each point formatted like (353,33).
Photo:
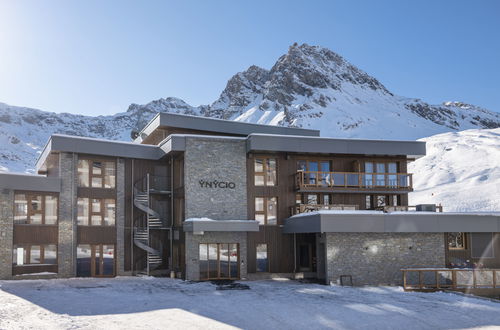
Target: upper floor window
(35,209)
(316,172)
(96,212)
(381,174)
(96,173)
(266,210)
(265,171)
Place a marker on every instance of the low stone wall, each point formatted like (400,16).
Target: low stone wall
(193,251)
(377,258)
(6,232)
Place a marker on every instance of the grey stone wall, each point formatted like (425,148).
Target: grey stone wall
(120,217)
(211,159)
(193,251)
(6,232)
(377,258)
(67,215)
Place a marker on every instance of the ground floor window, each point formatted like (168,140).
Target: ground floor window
(481,245)
(262,261)
(456,241)
(219,261)
(34,255)
(96,260)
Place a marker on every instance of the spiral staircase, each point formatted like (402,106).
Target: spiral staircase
(150,219)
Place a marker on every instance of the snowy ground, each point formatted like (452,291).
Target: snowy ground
(133,303)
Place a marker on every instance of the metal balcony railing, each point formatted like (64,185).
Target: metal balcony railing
(320,179)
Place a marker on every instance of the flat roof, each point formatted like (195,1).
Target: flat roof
(215,125)
(305,144)
(85,145)
(392,222)
(22,181)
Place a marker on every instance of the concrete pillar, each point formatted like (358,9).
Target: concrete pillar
(120,217)
(6,232)
(67,215)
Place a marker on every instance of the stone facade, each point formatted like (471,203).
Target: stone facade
(120,217)
(221,160)
(67,215)
(208,161)
(377,258)
(193,252)
(6,232)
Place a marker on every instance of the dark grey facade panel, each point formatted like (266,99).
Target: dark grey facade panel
(301,144)
(221,225)
(220,126)
(409,222)
(13,181)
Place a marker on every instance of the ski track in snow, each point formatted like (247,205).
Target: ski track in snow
(138,303)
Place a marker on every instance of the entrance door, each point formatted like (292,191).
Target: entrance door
(305,257)
(96,260)
(219,261)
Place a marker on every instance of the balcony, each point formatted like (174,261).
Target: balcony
(355,181)
(303,208)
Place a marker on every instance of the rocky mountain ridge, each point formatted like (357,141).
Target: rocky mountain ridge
(309,87)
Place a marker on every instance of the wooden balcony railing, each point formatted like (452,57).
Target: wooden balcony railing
(303,208)
(408,208)
(433,279)
(318,179)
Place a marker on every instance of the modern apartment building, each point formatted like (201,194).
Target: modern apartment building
(204,199)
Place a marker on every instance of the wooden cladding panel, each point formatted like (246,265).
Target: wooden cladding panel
(31,269)
(35,234)
(280,249)
(96,235)
(96,192)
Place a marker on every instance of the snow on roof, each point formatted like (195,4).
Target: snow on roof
(372,212)
(208,219)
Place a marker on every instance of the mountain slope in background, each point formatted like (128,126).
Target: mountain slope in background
(309,87)
(461,170)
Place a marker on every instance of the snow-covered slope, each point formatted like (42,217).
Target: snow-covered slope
(461,170)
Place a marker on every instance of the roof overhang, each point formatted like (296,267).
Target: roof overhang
(84,145)
(200,226)
(206,124)
(395,222)
(15,181)
(304,144)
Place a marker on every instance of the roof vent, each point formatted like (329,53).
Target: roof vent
(426,207)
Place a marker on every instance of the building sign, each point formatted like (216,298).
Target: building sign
(217,184)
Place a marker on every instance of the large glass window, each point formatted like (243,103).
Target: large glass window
(265,171)
(482,245)
(262,263)
(95,260)
(219,261)
(316,172)
(36,209)
(266,210)
(96,212)
(26,254)
(96,173)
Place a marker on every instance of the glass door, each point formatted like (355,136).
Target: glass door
(96,260)
(219,261)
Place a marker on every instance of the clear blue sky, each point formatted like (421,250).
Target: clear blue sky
(97,57)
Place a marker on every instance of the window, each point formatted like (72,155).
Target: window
(95,260)
(369,202)
(481,245)
(266,210)
(262,262)
(34,255)
(381,201)
(265,172)
(456,241)
(96,173)
(316,172)
(35,209)
(219,261)
(96,212)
